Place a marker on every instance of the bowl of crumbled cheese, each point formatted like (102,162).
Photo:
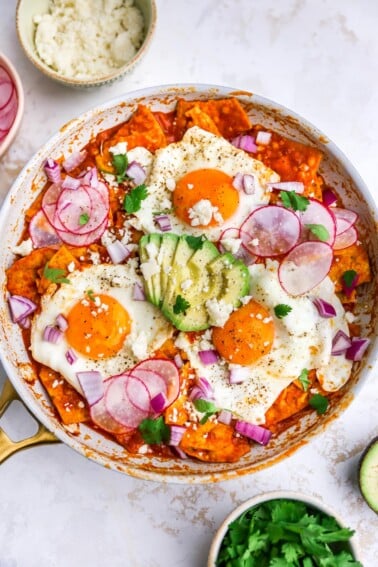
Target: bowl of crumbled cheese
(79,46)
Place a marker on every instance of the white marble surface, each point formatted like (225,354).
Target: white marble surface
(318,57)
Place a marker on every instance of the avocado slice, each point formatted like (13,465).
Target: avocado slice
(189,276)
(368,475)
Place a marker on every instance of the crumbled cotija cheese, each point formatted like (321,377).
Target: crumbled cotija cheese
(84,39)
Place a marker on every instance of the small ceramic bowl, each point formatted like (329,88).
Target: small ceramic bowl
(11,103)
(25,14)
(309,501)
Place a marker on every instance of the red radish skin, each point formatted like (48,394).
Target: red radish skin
(345,218)
(167,370)
(305,267)
(153,381)
(6,91)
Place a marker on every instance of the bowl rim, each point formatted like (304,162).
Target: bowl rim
(5,144)
(308,499)
(92,82)
(162,91)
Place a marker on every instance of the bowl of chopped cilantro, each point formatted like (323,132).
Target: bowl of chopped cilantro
(283,529)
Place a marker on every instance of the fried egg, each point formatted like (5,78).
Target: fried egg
(193,180)
(107,329)
(273,351)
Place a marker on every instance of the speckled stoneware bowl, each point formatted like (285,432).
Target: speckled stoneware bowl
(312,502)
(76,134)
(28,9)
(6,142)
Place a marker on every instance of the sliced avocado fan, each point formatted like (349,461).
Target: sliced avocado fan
(181,273)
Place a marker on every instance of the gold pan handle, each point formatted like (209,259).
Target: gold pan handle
(9,447)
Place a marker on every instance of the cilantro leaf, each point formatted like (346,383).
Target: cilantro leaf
(348,277)
(154,431)
(55,275)
(291,200)
(181,305)
(120,164)
(133,199)
(83,219)
(303,379)
(195,242)
(90,294)
(281,310)
(205,407)
(319,402)
(319,231)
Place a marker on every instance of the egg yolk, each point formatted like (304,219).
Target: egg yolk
(97,326)
(246,336)
(210,184)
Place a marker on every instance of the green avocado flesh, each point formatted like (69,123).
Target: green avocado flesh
(369,475)
(185,276)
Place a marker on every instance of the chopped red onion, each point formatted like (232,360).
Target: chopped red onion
(52,334)
(238,374)
(178,361)
(92,385)
(177,431)
(225,417)
(208,356)
(74,160)
(138,292)
(136,172)
(91,177)
(263,138)
(328,197)
(163,222)
(325,309)
(348,289)
(117,251)
(71,183)
(296,186)
(71,356)
(340,343)
(52,170)
(202,390)
(180,452)
(357,349)
(25,323)
(254,432)
(245,142)
(237,182)
(248,184)
(20,307)
(61,322)
(158,402)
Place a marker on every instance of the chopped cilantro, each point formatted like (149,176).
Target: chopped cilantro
(83,219)
(281,310)
(55,275)
(348,277)
(120,164)
(90,294)
(195,242)
(283,533)
(319,402)
(303,379)
(154,431)
(319,231)
(181,305)
(291,200)
(134,198)
(205,407)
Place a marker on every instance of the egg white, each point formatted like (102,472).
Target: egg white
(200,149)
(149,329)
(303,340)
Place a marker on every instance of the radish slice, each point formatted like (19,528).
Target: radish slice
(6,91)
(270,230)
(101,417)
(78,213)
(49,201)
(119,405)
(42,232)
(344,219)
(8,113)
(138,393)
(82,239)
(4,75)
(305,267)
(317,213)
(345,239)
(152,380)
(167,370)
